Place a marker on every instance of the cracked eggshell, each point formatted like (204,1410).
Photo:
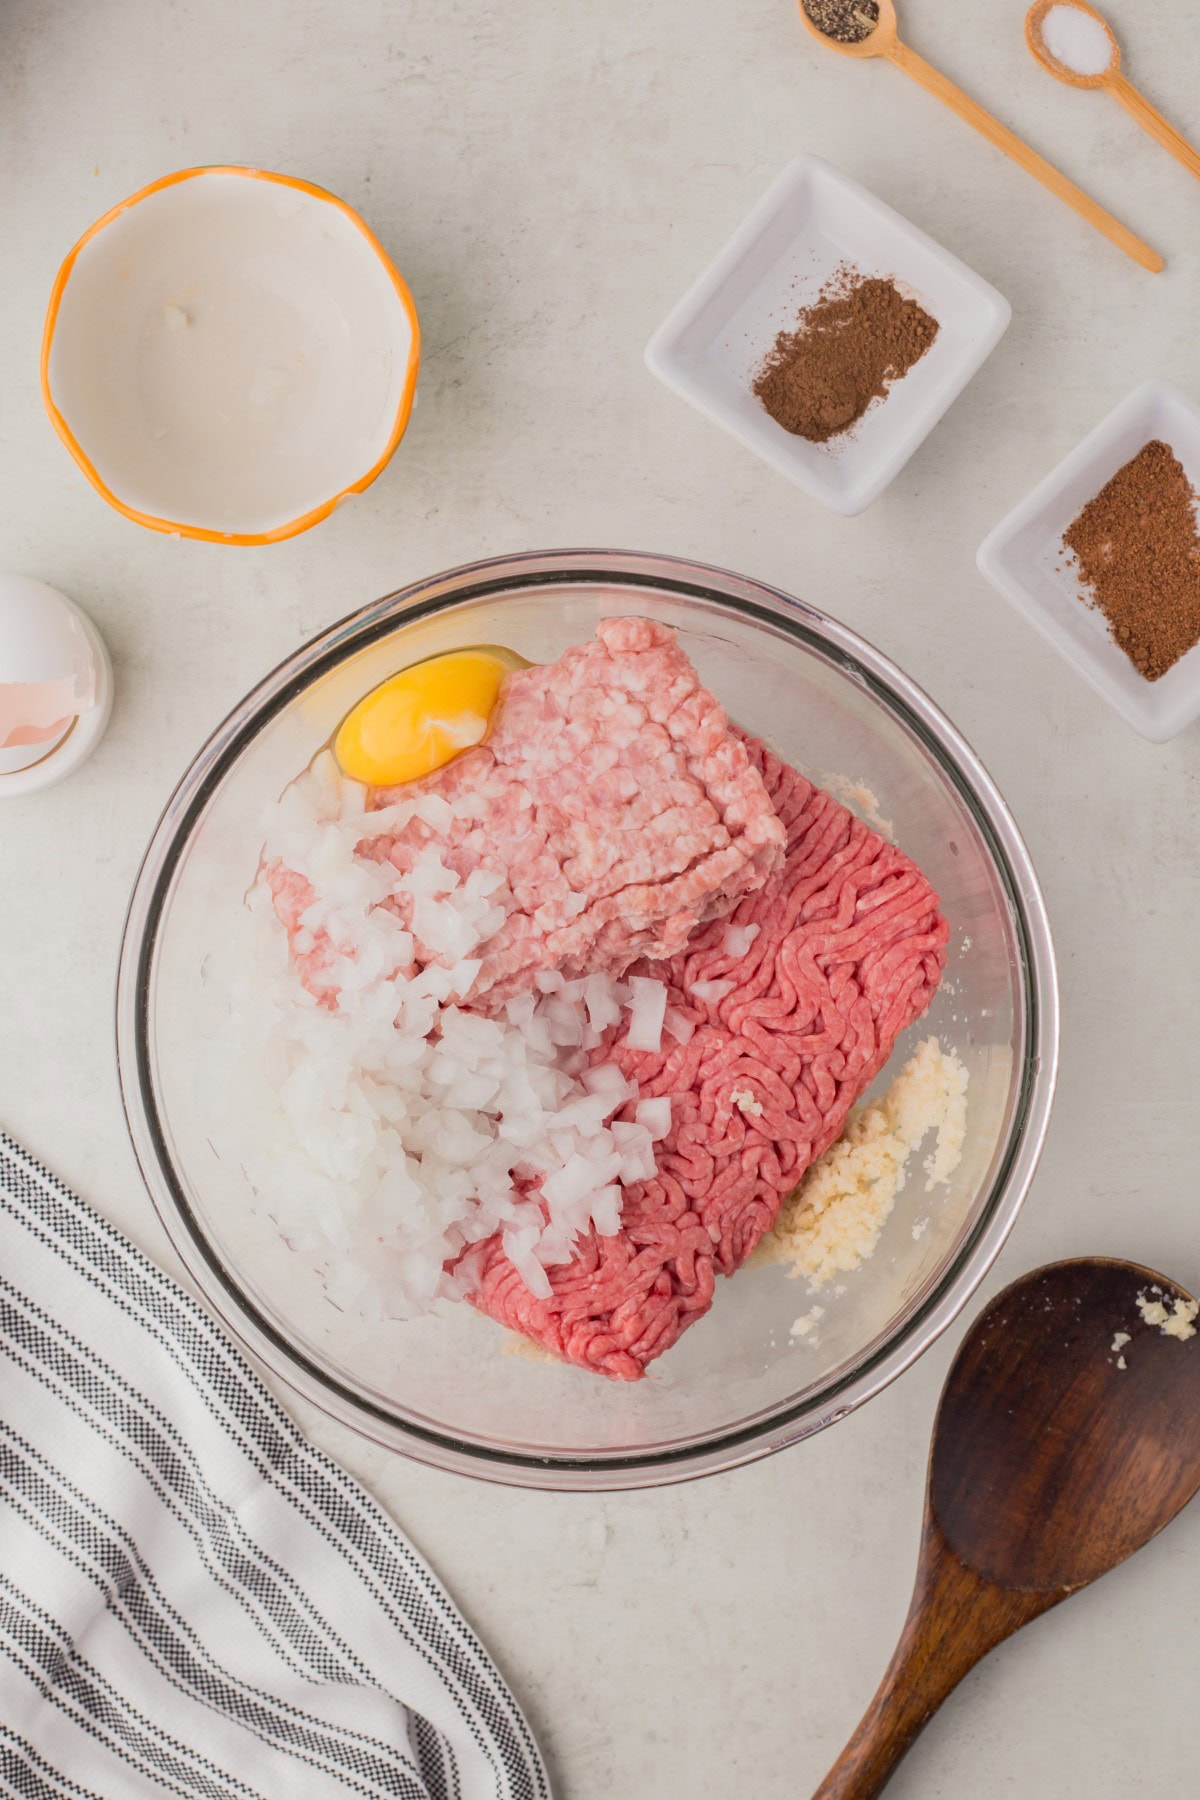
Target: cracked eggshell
(55,685)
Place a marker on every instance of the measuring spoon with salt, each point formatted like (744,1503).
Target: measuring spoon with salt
(865,28)
(1077,45)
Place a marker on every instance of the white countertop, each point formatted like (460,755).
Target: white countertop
(550,178)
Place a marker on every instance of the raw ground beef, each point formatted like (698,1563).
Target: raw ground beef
(616,801)
(850,950)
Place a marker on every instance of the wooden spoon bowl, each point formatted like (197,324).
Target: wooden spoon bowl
(1056,1454)
(1034,20)
(880,41)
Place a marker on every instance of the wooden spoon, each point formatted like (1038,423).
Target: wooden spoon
(883,40)
(1110,77)
(1050,1464)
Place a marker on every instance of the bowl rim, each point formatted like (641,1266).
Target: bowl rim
(205,533)
(771,1429)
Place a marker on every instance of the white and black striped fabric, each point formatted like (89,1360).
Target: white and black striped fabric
(193,1600)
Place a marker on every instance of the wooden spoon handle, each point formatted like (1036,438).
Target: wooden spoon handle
(955,1618)
(1151,120)
(937,84)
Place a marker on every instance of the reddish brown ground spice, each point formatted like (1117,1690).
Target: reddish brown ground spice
(859,335)
(1139,555)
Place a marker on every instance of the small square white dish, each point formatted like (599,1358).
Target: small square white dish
(1024,559)
(812,221)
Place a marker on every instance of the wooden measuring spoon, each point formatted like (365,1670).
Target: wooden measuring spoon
(882,39)
(1050,1464)
(1110,77)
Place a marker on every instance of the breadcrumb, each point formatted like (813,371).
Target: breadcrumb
(834,1219)
(1176,1322)
(806,1326)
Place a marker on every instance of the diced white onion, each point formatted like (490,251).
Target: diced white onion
(606,1211)
(681,1028)
(655,1115)
(407,1130)
(647,1009)
(738,939)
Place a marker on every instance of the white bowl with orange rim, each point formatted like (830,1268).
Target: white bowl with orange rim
(230,353)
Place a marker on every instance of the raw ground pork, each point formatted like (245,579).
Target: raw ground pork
(614,799)
(849,951)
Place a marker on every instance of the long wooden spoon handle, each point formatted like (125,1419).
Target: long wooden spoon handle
(955,1618)
(1151,120)
(937,84)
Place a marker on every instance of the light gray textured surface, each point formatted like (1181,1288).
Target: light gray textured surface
(550,178)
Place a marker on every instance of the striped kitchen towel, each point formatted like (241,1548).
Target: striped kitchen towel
(194,1601)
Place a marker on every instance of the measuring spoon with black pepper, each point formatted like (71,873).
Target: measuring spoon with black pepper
(865,28)
(1068,1436)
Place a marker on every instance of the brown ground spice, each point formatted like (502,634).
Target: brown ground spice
(1139,554)
(859,335)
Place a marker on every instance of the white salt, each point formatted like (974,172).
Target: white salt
(1077,40)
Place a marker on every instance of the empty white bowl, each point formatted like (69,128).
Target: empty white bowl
(228,354)
(811,221)
(1025,560)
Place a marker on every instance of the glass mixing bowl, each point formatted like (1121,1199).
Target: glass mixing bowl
(738,1385)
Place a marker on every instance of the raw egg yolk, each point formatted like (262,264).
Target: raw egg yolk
(416,721)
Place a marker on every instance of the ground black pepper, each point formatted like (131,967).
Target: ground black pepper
(845,21)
